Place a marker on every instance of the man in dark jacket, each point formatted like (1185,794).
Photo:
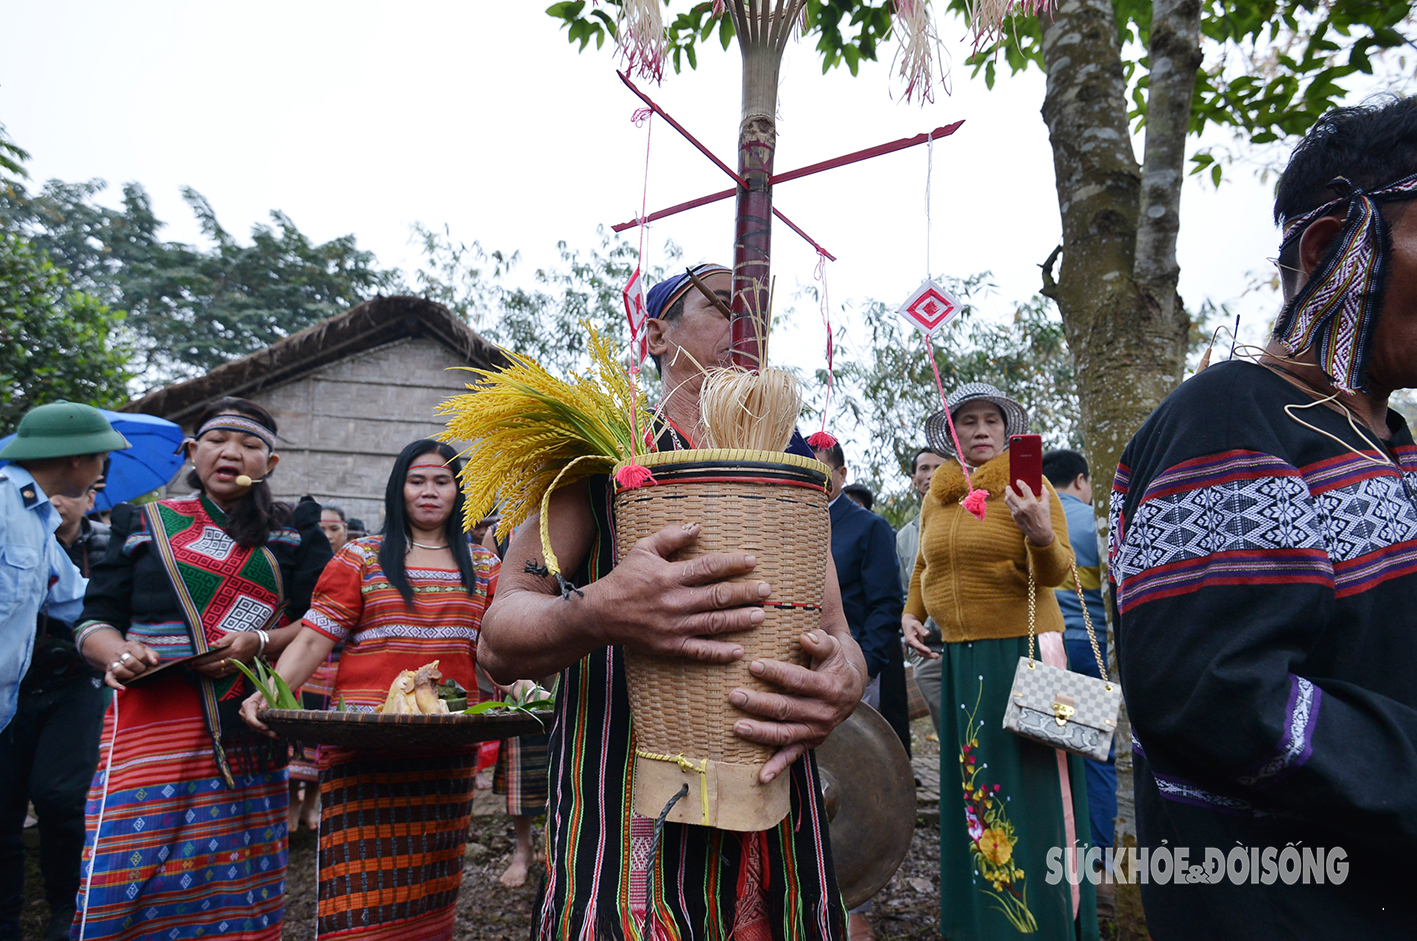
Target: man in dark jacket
(863,547)
(49,750)
(1264,557)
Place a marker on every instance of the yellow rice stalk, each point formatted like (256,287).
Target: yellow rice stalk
(532,433)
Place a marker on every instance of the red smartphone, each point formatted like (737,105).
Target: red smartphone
(1026,462)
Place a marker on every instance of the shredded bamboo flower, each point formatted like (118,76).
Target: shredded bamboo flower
(986,17)
(532,433)
(642,37)
(755,410)
(919,47)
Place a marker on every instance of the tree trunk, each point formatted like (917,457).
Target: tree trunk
(1116,286)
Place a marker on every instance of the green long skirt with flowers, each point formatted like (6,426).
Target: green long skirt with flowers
(1002,811)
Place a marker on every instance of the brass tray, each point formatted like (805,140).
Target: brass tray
(374,731)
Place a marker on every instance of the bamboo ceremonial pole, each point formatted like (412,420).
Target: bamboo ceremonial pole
(763,27)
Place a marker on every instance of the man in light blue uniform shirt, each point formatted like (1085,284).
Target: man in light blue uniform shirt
(1067,472)
(58,450)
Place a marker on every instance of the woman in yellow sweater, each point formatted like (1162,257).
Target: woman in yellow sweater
(1005,801)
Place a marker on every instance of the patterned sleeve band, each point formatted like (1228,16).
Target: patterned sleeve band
(88,629)
(1337,308)
(1246,518)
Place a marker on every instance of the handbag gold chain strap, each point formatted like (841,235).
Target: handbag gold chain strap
(1086,618)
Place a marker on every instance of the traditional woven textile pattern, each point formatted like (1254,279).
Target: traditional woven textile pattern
(180,855)
(521,775)
(355,603)
(1337,308)
(392,834)
(318,692)
(1242,517)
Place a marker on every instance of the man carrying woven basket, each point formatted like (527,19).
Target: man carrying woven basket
(777,883)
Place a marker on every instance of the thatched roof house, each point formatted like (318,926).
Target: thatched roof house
(348,394)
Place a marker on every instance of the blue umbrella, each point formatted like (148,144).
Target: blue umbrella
(150,463)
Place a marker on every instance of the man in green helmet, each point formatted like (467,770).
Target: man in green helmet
(58,450)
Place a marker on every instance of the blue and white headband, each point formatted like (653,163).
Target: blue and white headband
(663,295)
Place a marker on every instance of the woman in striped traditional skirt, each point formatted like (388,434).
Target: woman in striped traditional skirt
(186,820)
(393,827)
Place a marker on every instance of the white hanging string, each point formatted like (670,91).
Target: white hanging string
(929,169)
(98,827)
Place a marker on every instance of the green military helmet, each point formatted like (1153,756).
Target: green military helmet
(62,429)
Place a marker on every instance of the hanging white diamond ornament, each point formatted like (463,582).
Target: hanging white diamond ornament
(930,307)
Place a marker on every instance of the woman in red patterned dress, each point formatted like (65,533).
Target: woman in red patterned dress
(393,826)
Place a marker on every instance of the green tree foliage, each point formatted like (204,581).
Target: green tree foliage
(886,385)
(55,342)
(192,308)
(1273,68)
(12,160)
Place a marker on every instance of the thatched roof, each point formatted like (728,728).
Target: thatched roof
(371,324)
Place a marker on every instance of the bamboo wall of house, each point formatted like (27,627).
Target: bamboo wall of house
(343,423)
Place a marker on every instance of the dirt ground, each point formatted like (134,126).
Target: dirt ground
(907,909)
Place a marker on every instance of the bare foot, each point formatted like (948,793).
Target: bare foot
(516,870)
(310,808)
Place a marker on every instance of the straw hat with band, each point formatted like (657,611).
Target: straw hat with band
(62,429)
(937,431)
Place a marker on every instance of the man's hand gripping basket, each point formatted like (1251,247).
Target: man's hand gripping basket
(774,506)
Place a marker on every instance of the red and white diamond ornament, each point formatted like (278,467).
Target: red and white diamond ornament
(930,307)
(638,313)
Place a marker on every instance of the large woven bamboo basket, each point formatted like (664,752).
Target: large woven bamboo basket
(774,506)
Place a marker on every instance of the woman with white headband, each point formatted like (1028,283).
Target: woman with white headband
(186,823)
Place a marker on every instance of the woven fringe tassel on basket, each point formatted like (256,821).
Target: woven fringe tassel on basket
(774,506)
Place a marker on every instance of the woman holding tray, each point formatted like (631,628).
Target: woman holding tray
(186,819)
(397,601)
(1013,799)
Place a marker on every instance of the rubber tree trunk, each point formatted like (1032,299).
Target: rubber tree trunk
(752,227)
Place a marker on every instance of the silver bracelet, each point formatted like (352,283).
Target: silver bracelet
(265,638)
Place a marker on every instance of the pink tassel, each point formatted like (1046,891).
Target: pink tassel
(635,476)
(821,441)
(975,503)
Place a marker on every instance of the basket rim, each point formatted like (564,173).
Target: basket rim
(725,455)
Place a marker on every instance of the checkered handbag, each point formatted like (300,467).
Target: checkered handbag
(1060,708)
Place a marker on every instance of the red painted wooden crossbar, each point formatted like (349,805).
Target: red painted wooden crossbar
(719,163)
(841,161)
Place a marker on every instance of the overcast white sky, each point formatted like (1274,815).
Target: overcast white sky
(362,117)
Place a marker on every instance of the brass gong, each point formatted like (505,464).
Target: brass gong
(868,788)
